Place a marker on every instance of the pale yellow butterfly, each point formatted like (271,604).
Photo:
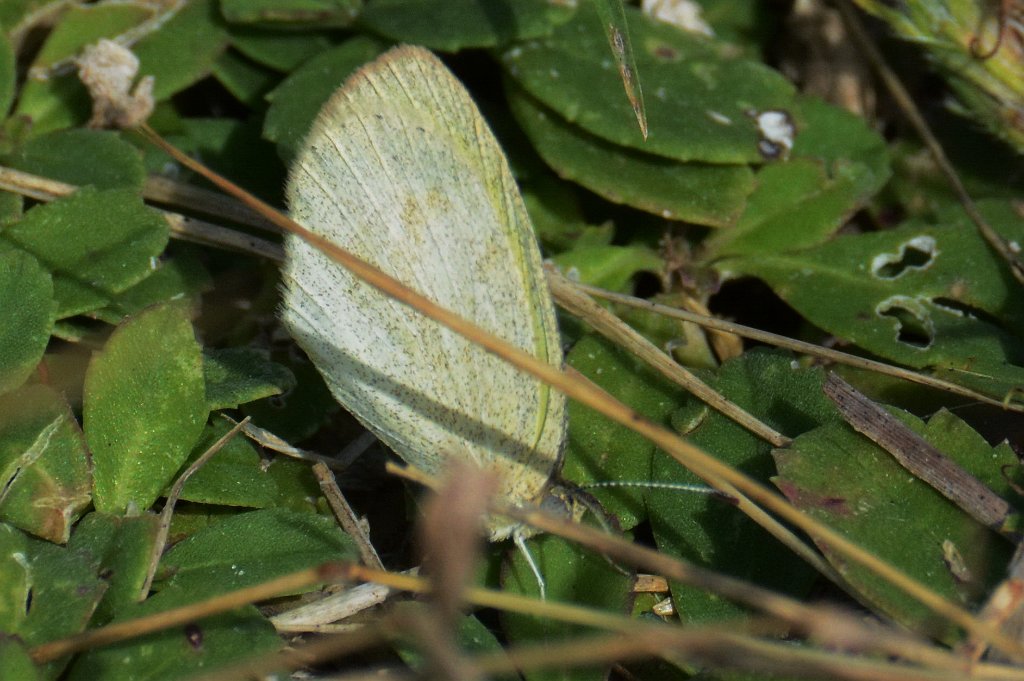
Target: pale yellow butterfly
(402,170)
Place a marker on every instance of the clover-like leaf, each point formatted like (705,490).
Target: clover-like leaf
(144,408)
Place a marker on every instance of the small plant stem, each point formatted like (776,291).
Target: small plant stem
(800,346)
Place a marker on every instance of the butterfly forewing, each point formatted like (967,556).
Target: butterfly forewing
(400,169)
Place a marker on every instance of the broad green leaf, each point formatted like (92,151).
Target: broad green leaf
(144,410)
(845,480)
(922,295)
(238,476)
(699,103)
(837,164)
(705,194)
(96,243)
(238,375)
(600,451)
(8,75)
(248,82)
(82,157)
(251,548)
(120,549)
(291,13)
(296,101)
(571,575)
(709,531)
(183,50)
(15,579)
(65,591)
(27,307)
(609,267)
(44,464)
(185,652)
(453,25)
(182,278)
(15,661)
(280,51)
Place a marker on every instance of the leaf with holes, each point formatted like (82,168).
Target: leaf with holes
(922,295)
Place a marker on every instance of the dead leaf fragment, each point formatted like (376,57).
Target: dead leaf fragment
(107,70)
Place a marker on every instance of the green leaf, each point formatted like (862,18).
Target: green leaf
(600,451)
(698,103)
(571,575)
(14,12)
(280,51)
(238,476)
(96,244)
(182,278)
(180,652)
(65,591)
(15,579)
(922,295)
(297,100)
(44,464)
(15,661)
(453,25)
(120,549)
(709,531)
(144,410)
(8,75)
(705,194)
(248,82)
(235,376)
(837,164)
(184,48)
(609,267)
(252,548)
(845,480)
(82,157)
(27,307)
(291,13)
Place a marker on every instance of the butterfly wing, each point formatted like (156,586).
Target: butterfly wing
(401,169)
